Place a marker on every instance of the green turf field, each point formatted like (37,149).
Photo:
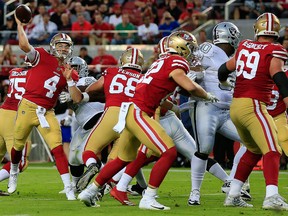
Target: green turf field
(39,185)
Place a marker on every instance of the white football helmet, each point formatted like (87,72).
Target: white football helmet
(267,24)
(79,65)
(61,38)
(182,42)
(132,58)
(226,32)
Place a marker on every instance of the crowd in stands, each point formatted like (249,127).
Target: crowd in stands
(97,22)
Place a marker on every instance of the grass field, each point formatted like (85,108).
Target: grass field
(39,185)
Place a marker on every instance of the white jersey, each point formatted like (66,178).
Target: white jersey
(86,111)
(212,57)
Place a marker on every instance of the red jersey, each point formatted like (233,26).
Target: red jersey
(156,84)
(17,82)
(119,85)
(277,105)
(46,80)
(252,69)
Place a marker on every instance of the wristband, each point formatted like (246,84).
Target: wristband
(70,83)
(85,96)
(175,108)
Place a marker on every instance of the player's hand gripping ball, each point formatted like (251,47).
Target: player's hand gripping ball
(23,13)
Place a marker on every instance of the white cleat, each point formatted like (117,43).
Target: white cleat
(244,193)
(12,184)
(236,201)
(150,203)
(194,198)
(275,202)
(87,196)
(69,191)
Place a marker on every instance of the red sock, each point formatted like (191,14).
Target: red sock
(271,167)
(109,170)
(15,156)
(246,165)
(60,159)
(89,154)
(162,166)
(7,166)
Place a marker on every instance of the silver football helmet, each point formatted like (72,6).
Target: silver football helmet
(79,65)
(226,32)
(61,38)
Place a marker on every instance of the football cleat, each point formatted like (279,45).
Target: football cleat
(135,190)
(236,201)
(150,203)
(244,194)
(3,193)
(194,198)
(86,177)
(275,202)
(121,197)
(87,196)
(69,191)
(12,184)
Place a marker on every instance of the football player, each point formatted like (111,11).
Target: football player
(184,143)
(8,110)
(87,114)
(135,120)
(257,63)
(118,84)
(226,37)
(43,87)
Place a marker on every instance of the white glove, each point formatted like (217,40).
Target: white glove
(192,75)
(211,98)
(186,106)
(228,85)
(64,97)
(67,121)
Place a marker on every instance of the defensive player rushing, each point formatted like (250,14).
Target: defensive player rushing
(86,114)
(8,110)
(257,63)
(183,141)
(135,120)
(226,37)
(118,85)
(43,87)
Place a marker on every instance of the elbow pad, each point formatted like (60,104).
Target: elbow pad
(223,72)
(281,81)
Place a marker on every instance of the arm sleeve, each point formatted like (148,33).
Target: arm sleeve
(223,73)
(281,81)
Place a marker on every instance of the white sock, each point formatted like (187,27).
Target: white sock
(198,171)
(236,160)
(218,172)
(118,175)
(14,168)
(151,192)
(141,179)
(75,179)
(66,179)
(4,174)
(90,161)
(235,187)
(124,182)
(271,190)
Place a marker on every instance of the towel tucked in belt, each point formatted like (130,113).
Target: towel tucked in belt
(40,112)
(119,127)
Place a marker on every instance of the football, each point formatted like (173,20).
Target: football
(23,13)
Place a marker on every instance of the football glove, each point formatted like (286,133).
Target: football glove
(67,121)
(228,85)
(211,98)
(64,97)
